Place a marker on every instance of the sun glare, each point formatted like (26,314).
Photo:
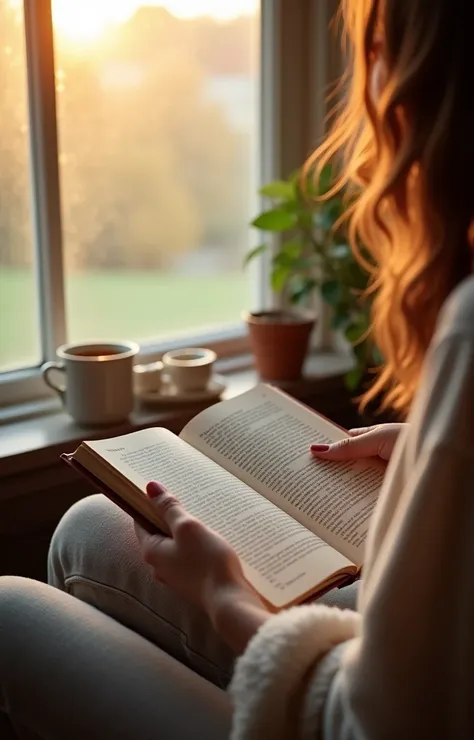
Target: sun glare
(86,21)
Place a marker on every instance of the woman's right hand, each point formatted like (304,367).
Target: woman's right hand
(376,441)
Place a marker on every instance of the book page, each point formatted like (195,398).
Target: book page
(280,557)
(263,437)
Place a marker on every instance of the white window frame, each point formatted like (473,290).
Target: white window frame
(291,116)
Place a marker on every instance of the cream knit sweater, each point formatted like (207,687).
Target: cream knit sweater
(402,668)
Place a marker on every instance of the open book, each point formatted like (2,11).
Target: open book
(244,468)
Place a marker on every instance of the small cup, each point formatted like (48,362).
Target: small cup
(98,388)
(190,369)
(147,378)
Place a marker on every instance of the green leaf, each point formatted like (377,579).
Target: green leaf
(290,258)
(305,219)
(309,185)
(353,333)
(289,254)
(331,291)
(353,378)
(279,190)
(292,249)
(304,264)
(361,353)
(279,277)
(302,289)
(329,213)
(325,179)
(358,327)
(335,208)
(281,259)
(256,252)
(339,321)
(275,220)
(295,177)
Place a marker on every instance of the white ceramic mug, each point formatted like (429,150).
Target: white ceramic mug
(147,378)
(98,387)
(189,370)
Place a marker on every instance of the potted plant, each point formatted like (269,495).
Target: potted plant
(312,254)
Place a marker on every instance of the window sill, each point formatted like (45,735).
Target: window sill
(23,393)
(35,438)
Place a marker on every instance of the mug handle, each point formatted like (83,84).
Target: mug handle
(46,370)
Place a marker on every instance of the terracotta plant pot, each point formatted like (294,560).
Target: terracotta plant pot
(279,342)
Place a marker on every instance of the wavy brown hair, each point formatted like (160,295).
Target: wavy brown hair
(410,157)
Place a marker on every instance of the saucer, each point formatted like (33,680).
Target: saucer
(168,394)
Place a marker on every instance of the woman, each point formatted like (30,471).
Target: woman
(403,665)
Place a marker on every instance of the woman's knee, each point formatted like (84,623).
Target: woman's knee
(92,530)
(14,593)
(16,602)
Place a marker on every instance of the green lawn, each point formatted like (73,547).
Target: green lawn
(118,305)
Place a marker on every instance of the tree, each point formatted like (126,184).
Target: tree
(15,208)
(226,48)
(150,165)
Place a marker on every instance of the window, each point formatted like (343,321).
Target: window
(19,332)
(157,114)
(158,147)
(130,157)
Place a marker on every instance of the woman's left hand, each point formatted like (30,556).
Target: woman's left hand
(194,561)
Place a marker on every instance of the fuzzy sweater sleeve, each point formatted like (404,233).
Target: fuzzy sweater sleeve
(404,666)
(281,658)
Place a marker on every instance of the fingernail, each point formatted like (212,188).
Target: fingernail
(154,489)
(319,448)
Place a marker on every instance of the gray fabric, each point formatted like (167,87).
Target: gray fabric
(344,598)
(69,672)
(411,675)
(94,556)
(406,668)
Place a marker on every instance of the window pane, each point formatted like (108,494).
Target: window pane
(158,123)
(19,332)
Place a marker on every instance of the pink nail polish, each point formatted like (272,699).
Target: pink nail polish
(154,489)
(319,448)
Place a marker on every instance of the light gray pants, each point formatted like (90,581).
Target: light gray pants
(69,671)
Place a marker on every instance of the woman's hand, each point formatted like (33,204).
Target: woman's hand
(203,568)
(376,441)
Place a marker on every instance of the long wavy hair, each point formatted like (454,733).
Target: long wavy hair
(408,159)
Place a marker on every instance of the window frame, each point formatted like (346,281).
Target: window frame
(288,81)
